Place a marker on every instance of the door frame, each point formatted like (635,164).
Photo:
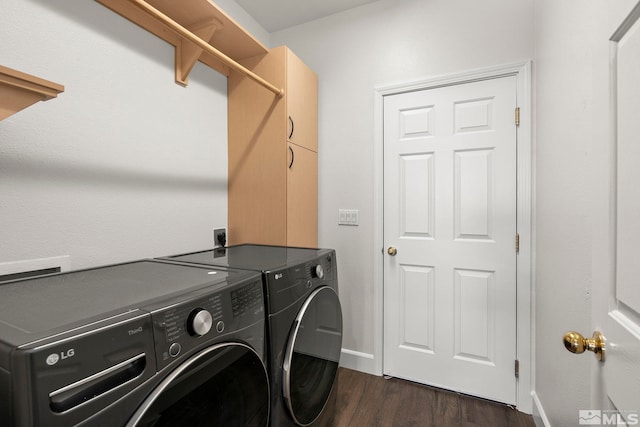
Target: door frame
(524,215)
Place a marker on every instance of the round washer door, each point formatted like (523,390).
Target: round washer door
(312,355)
(223,385)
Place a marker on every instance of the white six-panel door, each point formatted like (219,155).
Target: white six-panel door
(450,213)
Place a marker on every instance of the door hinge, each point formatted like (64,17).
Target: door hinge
(517,368)
(517,242)
(517,116)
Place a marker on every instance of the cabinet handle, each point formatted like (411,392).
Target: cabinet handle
(291,133)
(291,164)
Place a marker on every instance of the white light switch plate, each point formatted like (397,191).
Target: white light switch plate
(348,216)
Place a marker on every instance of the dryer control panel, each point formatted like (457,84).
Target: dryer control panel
(288,285)
(205,317)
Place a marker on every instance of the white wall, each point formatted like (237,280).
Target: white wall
(246,21)
(385,42)
(572,138)
(124,164)
(563,254)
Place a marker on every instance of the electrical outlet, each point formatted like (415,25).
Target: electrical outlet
(220,237)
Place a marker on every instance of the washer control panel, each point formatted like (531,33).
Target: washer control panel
(204,317)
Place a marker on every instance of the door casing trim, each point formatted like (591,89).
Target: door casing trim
(525,222)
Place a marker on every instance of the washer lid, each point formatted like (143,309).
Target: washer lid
(29,308)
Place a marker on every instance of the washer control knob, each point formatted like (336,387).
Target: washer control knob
(199,322)
(317,271)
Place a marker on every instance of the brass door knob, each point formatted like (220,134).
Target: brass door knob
(392,251)
(576,343)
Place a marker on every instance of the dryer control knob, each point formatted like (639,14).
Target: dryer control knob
(199,322)
(317,271)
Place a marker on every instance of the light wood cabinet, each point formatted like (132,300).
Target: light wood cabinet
(302,197)
(302,103)
(273,172)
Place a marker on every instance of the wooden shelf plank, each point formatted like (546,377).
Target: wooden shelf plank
(232,40)
(19,90)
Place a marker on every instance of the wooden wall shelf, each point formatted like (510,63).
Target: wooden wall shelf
(19,90)
(202,18)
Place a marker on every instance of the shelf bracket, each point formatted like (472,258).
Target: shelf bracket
(187,53)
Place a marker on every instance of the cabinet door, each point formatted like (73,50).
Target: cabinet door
(302,197)
(257,155)
(302,103)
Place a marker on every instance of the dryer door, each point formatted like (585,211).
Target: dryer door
(312,355)
(223,385)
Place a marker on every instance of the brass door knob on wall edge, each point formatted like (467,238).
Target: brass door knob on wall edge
(392,251)
(576,343)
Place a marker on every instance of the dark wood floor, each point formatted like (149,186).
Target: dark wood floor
(367,400)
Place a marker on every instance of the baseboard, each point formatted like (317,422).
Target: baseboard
(539,416)
(359,361)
